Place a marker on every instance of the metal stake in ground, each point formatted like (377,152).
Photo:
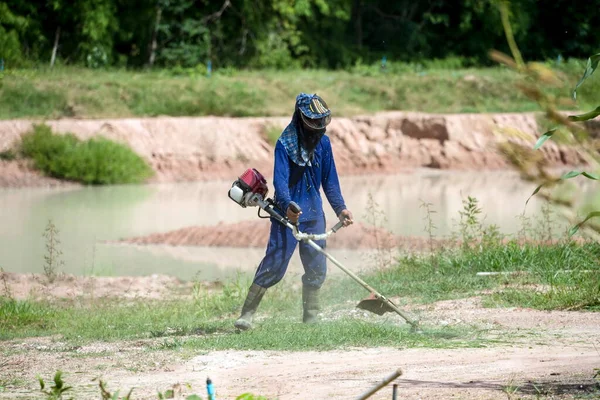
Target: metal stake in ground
(380,385)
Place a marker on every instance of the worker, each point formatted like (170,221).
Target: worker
(304,163)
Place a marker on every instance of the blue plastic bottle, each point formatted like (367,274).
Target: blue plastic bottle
(210,389)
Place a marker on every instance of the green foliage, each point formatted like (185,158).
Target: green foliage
(591,66)
(250,396)
(94,161)
(10,47)
(535,83)
(11,26)
(286,34)
(56,391)
(470,226)
(107,395)
(8,155)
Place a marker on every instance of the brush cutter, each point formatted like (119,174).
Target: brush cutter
(250,190)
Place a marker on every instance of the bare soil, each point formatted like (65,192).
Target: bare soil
(529,354)
(256,233)
(207,148)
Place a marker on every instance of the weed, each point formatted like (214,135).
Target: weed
(106,395)
(250,396)
(177,392)
(6,291)
(56,391)
(491,236)
(469,225)
(171,344)
(429,228)
(525,228)
(52,258)
(384,244)
(511,389)
(429,224)
(545,223)
(8,155)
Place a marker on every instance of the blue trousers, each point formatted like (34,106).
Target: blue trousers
(280,249)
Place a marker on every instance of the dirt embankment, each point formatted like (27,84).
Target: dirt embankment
(202,148)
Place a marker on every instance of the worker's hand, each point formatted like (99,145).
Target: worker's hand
(292,216)
(346,217)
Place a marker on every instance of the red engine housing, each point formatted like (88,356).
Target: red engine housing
(248,188)
(256,183)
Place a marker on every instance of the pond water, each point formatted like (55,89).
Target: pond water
(87,217)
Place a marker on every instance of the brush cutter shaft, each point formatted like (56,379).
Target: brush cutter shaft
(308,238)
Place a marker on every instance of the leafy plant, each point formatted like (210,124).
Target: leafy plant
(250,396)
(177,391)
(56,391)
(106,395)
(95,161)
(52,258)
(469,224)
(8,155)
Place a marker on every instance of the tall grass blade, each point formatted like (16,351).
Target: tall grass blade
(537,189)
(543,138)
(591,66)
(587,116)
(574,229)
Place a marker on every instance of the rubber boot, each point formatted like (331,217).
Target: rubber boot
(255,295)
(310,302)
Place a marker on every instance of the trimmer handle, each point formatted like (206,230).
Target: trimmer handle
(295,207)
(338,226)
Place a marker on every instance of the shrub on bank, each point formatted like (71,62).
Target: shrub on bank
(96,161)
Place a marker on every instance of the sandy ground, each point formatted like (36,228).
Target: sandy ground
(526,354)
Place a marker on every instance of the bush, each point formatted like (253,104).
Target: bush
(97,161)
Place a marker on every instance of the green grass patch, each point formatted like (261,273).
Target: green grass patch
(80,92)
(568,272)
(423,279)
(292,335)
(97,161)
(565,275)
(30,318)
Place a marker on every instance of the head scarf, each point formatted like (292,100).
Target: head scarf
(298,139)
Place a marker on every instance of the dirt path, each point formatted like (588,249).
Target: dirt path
(528,353)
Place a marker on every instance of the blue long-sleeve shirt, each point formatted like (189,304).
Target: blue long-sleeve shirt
(306,192)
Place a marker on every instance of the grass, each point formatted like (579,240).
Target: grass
(94,161)
(80,92)
(414,278)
